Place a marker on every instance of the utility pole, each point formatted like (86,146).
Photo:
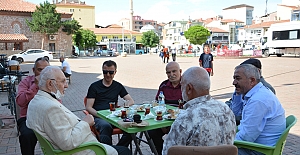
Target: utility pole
(266,11)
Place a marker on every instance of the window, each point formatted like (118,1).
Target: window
(293,34)
(71,10)
(174,24)
(104,37)
(286,35)
(174,30)
(225,37)
(115,37)
(125,37)
(17,29)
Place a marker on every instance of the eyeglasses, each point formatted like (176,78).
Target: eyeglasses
(65,82)
(107,71)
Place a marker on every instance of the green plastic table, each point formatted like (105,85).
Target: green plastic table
(153,124)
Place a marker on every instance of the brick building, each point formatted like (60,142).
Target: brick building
(15,34)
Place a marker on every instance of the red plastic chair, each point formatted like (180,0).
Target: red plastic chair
(93,128)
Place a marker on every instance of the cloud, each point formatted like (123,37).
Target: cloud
(196,1)
(111,17)
(162,12)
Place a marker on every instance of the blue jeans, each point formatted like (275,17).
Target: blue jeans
(105,129)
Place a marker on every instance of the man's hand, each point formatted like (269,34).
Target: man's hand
(89,119)
(211,73)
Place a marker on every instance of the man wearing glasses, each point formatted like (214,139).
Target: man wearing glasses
(27,88)
(100,94)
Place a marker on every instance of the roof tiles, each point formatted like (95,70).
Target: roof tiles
(13,37)
(17,5)
(264,24)
(112,31)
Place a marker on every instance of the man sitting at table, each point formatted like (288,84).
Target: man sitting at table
(52,120)
(263,116)
(100,94)
(236,102)
(172,92)
(205,121)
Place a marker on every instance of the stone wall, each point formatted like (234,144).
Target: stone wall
(63,42)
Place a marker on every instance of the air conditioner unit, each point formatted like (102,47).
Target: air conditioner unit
(52,37)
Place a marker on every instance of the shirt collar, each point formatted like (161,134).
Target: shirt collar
(252,91)
(196,101)
(169,84)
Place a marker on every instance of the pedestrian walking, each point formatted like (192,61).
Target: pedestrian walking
(173,50)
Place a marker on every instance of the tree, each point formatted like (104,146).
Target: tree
(45,19)
(84,39)
(150,39)
(70,26)
(197,34)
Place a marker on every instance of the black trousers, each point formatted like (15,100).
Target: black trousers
(174,56)
(27,138)
(66,74)
(120,149)
(106,130)
(165,59)
(156,135)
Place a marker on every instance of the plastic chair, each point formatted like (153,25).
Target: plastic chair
(48,149)
(270,150)
(95,131)
(203,150)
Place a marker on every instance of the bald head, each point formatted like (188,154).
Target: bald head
(195,82)
(173,72)
(172,64)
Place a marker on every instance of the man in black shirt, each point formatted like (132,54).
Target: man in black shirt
(100,94)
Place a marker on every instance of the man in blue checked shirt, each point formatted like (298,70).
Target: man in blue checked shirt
(263,117)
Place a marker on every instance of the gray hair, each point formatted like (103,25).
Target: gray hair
(46,74)
(250,71)
(40,59)
(198,77)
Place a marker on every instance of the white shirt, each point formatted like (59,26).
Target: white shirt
(13,63)
(66,64)
(173,48)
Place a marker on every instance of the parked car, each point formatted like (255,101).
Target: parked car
(32,55)
(105,53)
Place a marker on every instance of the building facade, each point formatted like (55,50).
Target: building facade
(15,34)
(111,37)
(83,13)
(173,32)
(240,12)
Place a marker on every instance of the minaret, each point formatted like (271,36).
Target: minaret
(131,15)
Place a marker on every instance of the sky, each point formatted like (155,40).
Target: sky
(111,11)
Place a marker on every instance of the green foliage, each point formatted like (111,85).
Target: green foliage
(84,38)
(197,34)
(70,26)
(150,39)
(45,19)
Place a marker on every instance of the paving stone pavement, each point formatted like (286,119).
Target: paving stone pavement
(142,74)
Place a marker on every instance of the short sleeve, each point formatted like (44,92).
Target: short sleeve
(123,91)
(92,93)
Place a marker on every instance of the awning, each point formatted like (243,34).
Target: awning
(11,38)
